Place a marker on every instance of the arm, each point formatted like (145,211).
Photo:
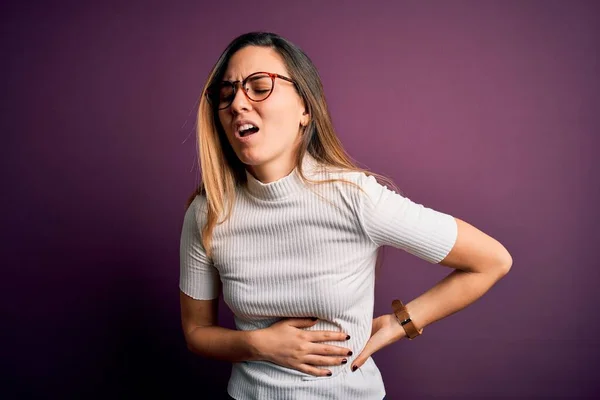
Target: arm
(479,262)
(204,337)
(200,286)
(478,259)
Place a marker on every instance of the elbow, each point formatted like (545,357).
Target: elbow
(190,348)
(188,344)
(188,341)
(504,264)
(504,269)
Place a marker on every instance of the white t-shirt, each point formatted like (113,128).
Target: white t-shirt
(286,252)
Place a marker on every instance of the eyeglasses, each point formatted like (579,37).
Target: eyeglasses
(257,87)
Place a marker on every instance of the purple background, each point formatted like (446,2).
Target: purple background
(485,110)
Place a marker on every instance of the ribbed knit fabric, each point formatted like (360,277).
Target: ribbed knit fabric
(287,252)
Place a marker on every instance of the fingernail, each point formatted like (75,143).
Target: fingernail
(354,368)
(350,353)
(347,337)
(344,361)
(314,318)
(329,373)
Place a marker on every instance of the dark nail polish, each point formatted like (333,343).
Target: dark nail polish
(354,368)
(347,337)
(350,353)
(314,318)
(344,361)
(329,373)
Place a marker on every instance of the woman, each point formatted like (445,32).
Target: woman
(288,227)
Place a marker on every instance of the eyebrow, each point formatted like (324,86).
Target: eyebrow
(240,80)
(230,81)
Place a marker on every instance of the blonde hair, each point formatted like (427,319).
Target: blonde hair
(222,171)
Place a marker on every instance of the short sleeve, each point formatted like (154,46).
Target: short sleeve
(391,219)
(198,278)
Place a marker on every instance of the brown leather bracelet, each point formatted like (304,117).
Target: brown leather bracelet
(403,319)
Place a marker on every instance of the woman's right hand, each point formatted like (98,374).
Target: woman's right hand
(285,344)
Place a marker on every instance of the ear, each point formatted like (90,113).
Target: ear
(304,119)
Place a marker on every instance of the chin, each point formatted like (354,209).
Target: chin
(251,158)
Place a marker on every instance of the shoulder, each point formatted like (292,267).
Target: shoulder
(346,174)
(354,188)
(197,208)
(353,181)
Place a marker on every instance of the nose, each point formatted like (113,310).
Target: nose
(240,101)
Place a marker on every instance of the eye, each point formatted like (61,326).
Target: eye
(259,86)
(225,90)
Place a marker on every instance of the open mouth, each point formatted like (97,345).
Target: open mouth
(248,132)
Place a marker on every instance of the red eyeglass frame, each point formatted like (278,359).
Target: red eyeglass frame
(210,91)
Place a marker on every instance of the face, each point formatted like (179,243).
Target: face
(278,118)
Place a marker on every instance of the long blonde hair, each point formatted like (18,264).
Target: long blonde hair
(222,171)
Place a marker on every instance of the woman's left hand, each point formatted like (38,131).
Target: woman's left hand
(385,331)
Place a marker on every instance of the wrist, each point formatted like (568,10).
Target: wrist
(399,332)
(253,343)
(404,320)
(411,313)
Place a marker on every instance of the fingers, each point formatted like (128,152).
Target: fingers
(311,361)
(317,336)
(309,351)
(326,336)
(324,361)
(385,336)
(308,369)
(329,350)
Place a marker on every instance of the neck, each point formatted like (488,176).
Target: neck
(274,170)
(284,187)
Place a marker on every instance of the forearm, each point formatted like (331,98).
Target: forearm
(222,344)
(453,293)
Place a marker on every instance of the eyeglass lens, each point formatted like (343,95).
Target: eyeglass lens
(258,87)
